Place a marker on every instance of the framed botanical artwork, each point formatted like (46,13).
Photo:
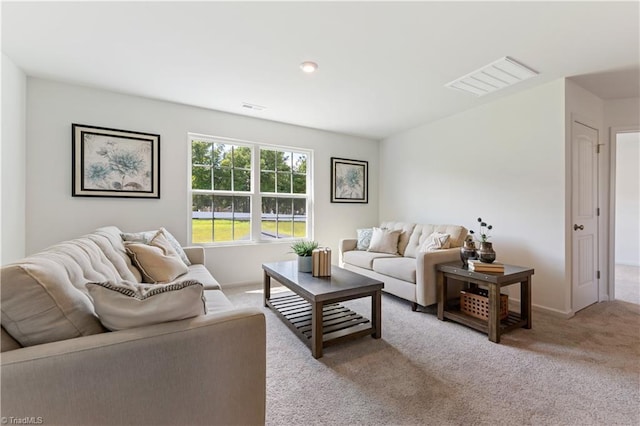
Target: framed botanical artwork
(349,181)
(115,163)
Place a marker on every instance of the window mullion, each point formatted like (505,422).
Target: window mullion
(256,200)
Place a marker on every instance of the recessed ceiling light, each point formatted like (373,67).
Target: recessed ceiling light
(497,75)
(308,66)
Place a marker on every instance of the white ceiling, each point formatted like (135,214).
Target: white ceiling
(382,66)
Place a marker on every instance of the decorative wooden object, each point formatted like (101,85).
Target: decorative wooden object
(321,259)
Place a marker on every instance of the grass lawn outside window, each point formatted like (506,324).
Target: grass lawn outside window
(226,229)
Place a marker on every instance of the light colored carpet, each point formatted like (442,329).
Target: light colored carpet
(582,371)
(627,280)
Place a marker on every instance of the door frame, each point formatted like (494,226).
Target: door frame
(611,241)
(600,259)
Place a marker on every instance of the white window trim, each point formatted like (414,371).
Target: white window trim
(255,194)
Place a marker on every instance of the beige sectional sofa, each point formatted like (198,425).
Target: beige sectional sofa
(408,272)
(59,365)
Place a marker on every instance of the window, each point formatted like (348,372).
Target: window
(248,192)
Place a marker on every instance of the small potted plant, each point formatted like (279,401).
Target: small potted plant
(304,249)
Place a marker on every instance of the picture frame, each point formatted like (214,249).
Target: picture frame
(114,163)
(349,181)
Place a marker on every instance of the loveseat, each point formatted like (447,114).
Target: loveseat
(61,365)
(407,267)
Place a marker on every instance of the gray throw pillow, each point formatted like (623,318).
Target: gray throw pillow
(364,238)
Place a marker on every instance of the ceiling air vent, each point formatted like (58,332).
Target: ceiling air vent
(497,75)
(253,106)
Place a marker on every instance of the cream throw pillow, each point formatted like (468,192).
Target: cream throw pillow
(127,304)
(384,241)
(435,241)
(146,236)
(158,261)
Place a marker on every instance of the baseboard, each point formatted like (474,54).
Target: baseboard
(604,298)
(553,312)
(514,305)
(241,284)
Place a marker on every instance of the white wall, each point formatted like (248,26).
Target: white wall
(627,249)
(622,112)
(54,215)
(14,92)
(503,161)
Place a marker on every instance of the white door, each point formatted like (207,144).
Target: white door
(584,212)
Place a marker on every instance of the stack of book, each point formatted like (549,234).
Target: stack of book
(476,265)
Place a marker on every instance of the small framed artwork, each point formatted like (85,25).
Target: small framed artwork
(349,181)
(115,163)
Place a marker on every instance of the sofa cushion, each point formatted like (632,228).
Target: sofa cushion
(364,259)
(435,241)
(127,305)
(111,243)
(146,236)
(364,238)
(384,241)
(217,301)
(200,273)
(421,233)
(41,302)
(405,228)
(158,261)
(44,297)
(402,268)
(8,343)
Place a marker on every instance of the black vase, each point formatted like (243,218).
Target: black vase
(486,254)
(468,251)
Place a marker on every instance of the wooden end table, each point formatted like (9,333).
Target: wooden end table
(494,327)
(313,312)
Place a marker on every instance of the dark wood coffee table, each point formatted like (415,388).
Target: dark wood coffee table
(313,312)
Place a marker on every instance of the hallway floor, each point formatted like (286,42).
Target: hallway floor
(627,283)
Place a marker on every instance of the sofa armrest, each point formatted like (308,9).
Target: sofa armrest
(195,254)
(209,369)
(426,273)
(346,244)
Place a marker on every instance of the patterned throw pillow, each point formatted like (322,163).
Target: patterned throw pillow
(435,241)
(384,241)
(127,304)
(146,236)
(157,261)
(364,238)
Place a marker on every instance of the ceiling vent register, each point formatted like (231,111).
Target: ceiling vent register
(497,75)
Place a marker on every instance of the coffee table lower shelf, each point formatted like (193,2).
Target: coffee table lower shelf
(338,322)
